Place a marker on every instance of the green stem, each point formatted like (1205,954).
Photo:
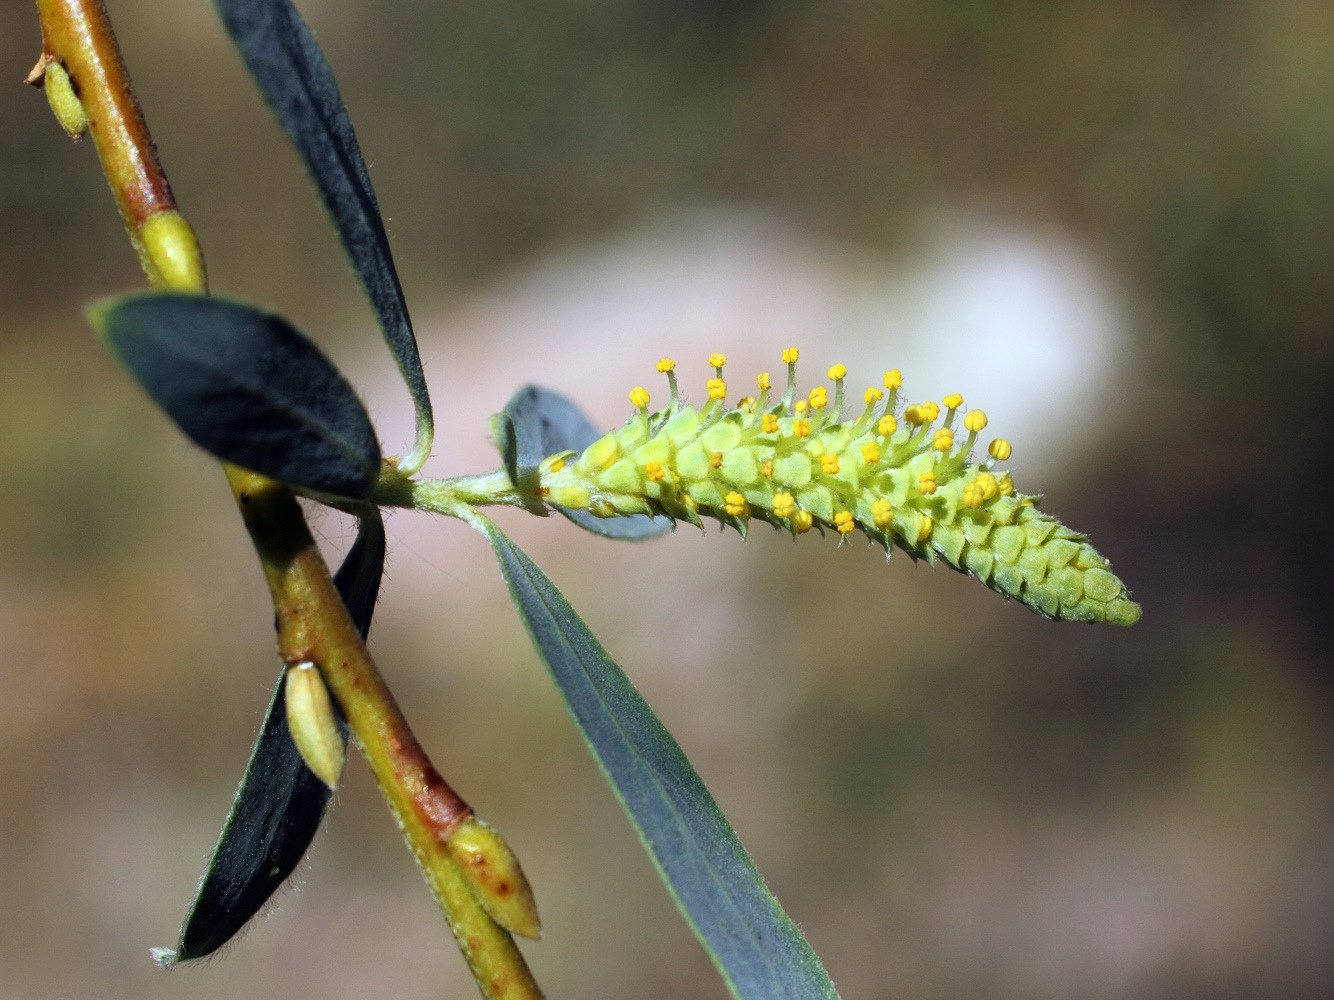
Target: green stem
(443,496)
(314,627)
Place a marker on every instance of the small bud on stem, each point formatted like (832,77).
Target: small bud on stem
(493,875)
(310,720)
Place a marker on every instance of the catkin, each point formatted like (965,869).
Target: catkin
(901,480)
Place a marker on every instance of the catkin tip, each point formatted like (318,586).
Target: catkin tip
(1123,612)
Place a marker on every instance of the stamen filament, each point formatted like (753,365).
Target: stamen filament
(790,393)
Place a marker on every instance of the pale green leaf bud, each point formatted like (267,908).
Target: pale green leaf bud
(310,720)
(172,249)
(65,103)
(494,877)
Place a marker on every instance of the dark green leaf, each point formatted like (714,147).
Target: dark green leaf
(756,946)
(296,80)
(358,578)
(506,440)
(247,386)
(545,422)
(280,804)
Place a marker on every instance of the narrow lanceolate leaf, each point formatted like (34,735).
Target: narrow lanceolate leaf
(245,385)
(756,946)
(296,80)
(537,423)
(280,803)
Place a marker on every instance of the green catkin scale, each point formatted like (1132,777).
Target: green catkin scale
(899,478)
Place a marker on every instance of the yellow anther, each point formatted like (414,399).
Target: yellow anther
(870,453)
(656,473)
(882,513)
(926,483)
(838,372)
(887,426)
(999,449)
(763,380)
(843,522)
(1027,502)
(974,420)
(689,501)
(802,406)
(666,365)
(829,465)
(768,423)
(1005,487)
(717,388)
(924,526)
(767,470)
(953,401)
(716,459)
(790,356)
(930,411)
(746,403)
(639,397)
(914,415)
(987,483)
(735,504)
(801,428)
(801,521)
(557,465)
(973,495)
(873,395)
(944,439)
(717,360)
(819,397)
(784,505)
(893,379)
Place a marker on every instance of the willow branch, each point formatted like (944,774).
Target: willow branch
(77,37)
(86,81)
(314,627)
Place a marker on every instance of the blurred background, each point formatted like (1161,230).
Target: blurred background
(1107,222)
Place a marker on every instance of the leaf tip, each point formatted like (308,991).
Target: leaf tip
(98,312)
